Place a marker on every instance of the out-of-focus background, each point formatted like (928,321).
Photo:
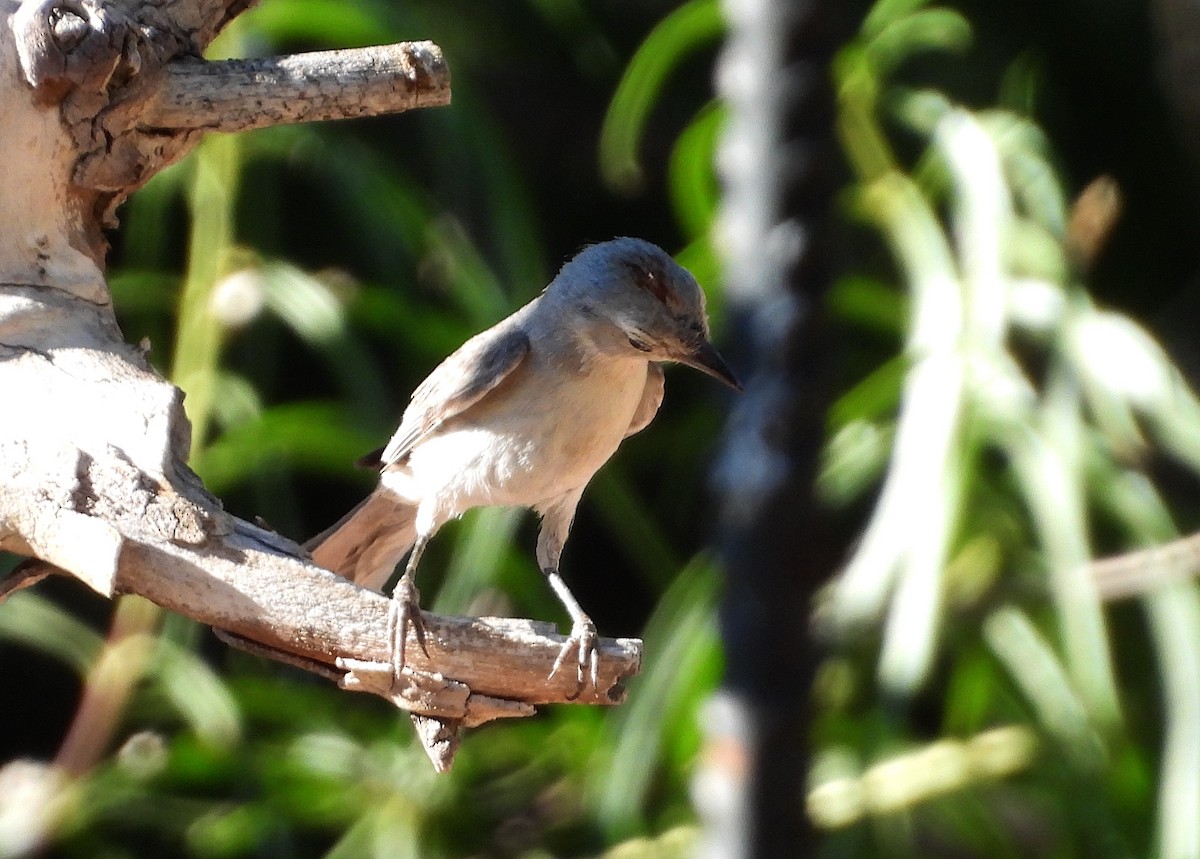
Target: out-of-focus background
(1006,305)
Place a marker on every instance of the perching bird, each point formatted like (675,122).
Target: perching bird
(524,414)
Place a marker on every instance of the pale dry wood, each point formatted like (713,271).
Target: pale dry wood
(423,694)
(98,62)
(249,586)
(238,95)
(440,738)
(135,97)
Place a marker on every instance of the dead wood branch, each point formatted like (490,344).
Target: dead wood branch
(238,95)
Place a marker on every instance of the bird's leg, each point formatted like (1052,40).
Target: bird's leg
(556,524)
(582,639)
(405,610)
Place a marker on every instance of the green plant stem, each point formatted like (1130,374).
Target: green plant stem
(109,684)
(198,336)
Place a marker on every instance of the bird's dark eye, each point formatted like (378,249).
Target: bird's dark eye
(638,344)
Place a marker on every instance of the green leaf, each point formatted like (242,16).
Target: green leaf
(32,621)
(326,22)
(920,32)
(691,176)
(317,437)
(197,694)
(657,724)
(692,25)
(885,13)
(868,304)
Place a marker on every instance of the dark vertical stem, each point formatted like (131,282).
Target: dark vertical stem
(781,171)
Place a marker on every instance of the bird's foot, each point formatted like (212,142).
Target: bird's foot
(581,643)
(405,612)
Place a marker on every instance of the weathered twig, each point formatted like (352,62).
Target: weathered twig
(238,95)
(250,588)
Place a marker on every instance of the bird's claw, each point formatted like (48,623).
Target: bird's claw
(405,613)
(582,642)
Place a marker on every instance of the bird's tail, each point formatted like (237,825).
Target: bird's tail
(367,543)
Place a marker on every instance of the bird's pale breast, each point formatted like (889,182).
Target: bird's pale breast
(546,435)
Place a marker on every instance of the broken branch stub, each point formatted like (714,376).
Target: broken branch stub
(238,95)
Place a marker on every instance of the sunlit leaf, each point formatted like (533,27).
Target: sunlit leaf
(885,13)
(922,31)
(692,25)
(197,694)
(691,174)
(1043,680)
(854,458)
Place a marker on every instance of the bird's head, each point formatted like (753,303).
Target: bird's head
(636,300)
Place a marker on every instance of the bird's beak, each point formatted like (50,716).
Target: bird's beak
(705,358)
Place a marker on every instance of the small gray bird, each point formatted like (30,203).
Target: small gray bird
(524,414)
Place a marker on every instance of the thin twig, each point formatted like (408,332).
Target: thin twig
(110,683)
(26,574)
(1141,571)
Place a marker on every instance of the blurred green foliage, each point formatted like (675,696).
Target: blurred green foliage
(998,429)
(1019,434)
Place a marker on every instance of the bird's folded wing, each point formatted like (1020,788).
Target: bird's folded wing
(458,383)
(652,397)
